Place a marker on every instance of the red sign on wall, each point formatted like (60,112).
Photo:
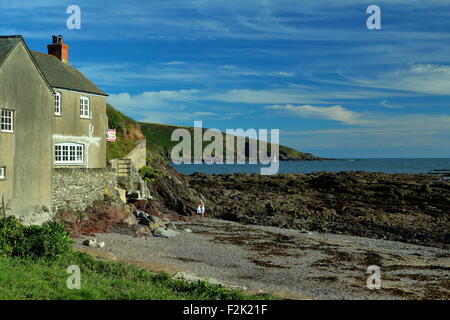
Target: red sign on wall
(111,135)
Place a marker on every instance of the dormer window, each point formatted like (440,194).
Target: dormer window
(85,111)
(57,103)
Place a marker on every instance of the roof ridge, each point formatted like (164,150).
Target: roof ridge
(47,54)
(12,36)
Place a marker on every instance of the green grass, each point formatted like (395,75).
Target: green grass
(123,125)
(41,280)
(120,148)
(159,137)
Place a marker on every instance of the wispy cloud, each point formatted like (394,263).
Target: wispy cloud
(388,105)
(173,63)
(418,78)
(153,100)
(253,20)
(367,120)
(175,72)
(335,113)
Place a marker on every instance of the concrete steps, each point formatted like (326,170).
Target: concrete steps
(124,167)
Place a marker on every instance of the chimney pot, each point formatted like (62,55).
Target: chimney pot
(59,49)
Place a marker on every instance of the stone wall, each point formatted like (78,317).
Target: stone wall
(76,189)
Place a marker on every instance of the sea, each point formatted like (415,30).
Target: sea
(413,166)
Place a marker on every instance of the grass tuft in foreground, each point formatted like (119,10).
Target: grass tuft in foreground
(41,279)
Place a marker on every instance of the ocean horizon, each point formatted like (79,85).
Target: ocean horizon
(384,165)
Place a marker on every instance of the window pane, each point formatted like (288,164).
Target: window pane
(57,103)
(70,153)
(7,120)
(84,107)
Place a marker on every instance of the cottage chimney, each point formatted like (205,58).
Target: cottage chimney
(59,49)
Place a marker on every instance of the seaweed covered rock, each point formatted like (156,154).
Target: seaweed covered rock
(403,207)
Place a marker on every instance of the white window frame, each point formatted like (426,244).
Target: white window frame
(69,153)
(7,120)
(2,173)
(58,103)
(85,108)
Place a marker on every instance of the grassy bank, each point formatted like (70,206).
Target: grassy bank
(41,280)
(128,133)
(159,139)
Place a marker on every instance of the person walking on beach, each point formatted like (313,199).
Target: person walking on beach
(201,209)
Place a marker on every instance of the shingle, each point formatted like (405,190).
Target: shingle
(63,75)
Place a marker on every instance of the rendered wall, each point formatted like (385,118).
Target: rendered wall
(27,152)
(70,127)
(138,155)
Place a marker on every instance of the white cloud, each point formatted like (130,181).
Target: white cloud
(335,113)
(154,116)
(114,74)
(284,74)
(171,106)
(417,78)
(367,120)
(173,63)
(228,67)
(388,105)
(262,96)
(153,99)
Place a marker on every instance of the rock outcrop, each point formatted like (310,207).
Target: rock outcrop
(402,207)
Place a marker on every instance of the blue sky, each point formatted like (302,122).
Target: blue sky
(309,68)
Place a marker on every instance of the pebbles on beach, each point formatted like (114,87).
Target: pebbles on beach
(320,266)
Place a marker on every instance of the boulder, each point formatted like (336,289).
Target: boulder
(143,231)
(149,220)
(139,214)
(130,218)
(101,244)
(164,232)
(157,222)
(270,209)
(90,242)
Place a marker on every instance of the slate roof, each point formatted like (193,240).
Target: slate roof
(57,73)
(63,75)
(7,43)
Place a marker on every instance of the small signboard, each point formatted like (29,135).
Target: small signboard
(111,135)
